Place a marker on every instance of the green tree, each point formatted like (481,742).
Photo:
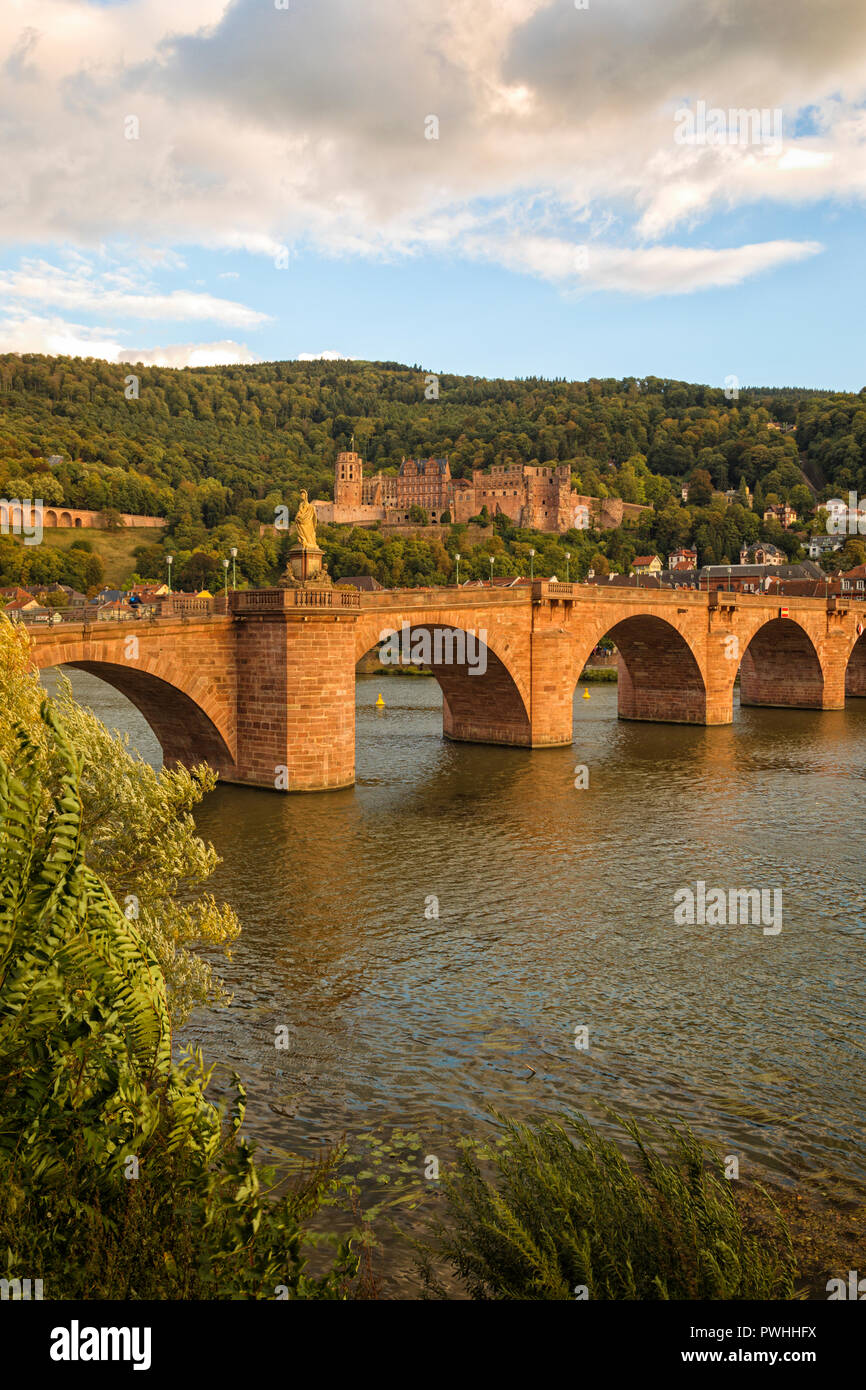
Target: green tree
(700,488)
(199,571)
(852,554)
(88,1088)
(139,832)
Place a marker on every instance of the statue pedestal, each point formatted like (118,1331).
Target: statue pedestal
(305,564)
(305,569)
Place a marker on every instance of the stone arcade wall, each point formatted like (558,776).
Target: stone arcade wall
(24,513)
(265,692)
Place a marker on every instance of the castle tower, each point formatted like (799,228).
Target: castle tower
(348,480)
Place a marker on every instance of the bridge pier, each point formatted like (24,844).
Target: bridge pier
(296,693)
(552,685)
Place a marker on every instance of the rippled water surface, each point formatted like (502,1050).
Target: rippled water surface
(556,910)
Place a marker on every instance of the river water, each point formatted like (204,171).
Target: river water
(555,912)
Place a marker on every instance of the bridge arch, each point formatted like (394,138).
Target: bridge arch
(482,698)
(188,728)
(50,517)
(660,677)
(780,666)
(855,670)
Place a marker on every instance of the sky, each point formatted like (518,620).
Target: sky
(500,188)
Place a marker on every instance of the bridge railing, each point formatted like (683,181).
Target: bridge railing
(49,617)
(443,597)
(185,606)
(277,600)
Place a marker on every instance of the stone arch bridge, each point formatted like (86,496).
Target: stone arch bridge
(265,692)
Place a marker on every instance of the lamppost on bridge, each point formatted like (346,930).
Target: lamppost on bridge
(169,560)
(234,554)
(491,569)
(532,564)
(226,575)
(457,558)
(567,564)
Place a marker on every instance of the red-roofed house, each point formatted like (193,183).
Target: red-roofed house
(646,564)
(683,559)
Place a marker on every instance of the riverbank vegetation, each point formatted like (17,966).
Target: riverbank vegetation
(118,1178)
(598,675)
(137,826)
(557,1211)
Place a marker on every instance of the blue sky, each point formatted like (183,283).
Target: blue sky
(555,225)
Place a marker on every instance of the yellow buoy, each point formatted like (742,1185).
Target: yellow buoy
(380,702)
(586,692)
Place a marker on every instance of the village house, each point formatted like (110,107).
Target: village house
(853,582)
(762,553)
(749,579)
(114,610)
(782,512)
(646,564)
(14,594)
(732,494)
(821,545)
(366,583)
(683,559)
(150,590)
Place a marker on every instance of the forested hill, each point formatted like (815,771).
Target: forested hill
(225,441)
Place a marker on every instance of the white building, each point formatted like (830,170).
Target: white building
(819,545)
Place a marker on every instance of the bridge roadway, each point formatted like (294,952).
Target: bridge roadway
(264,691)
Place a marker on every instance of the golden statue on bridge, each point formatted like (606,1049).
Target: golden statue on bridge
(305,524)
(305,567)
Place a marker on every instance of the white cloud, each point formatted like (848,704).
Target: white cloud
(261,129)
(57,337)
(113,293)
(226,353)
(649,270)
(162,257)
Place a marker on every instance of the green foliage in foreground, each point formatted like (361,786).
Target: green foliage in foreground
(555,1206)
(137,827)
(118,1178)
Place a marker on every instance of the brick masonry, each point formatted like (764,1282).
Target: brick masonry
(267,697)
(14,513)
(180,675)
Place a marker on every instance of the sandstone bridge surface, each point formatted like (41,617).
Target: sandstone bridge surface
(265,691)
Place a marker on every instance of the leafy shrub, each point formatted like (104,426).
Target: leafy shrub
(597,675)
(118,1178)
(539,1215)
(137,827)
